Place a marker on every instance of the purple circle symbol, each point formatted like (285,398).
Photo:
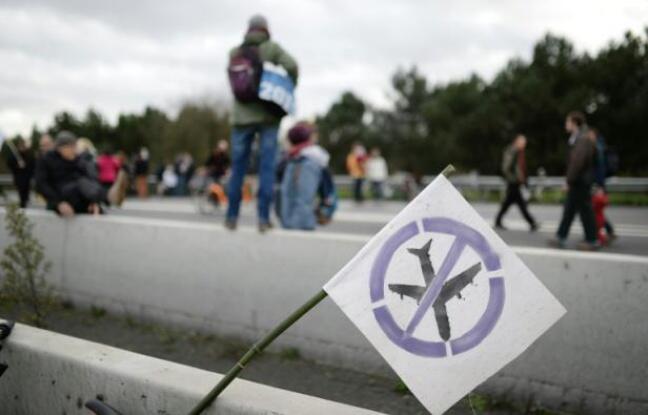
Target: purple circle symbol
(438,289)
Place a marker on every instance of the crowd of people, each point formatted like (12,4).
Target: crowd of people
(74,178)
(67,174)
(372,167)
(588,165)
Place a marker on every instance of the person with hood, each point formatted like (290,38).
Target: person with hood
(304,177)
(579,178)
(252,117)
(62,178)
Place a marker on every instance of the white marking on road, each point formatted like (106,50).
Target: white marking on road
(183,224)
(548,227)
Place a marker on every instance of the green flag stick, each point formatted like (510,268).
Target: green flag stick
(260,346)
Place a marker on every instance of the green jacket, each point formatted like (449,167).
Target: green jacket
(510,166)
(251,113)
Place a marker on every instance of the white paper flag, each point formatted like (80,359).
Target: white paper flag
(442,298)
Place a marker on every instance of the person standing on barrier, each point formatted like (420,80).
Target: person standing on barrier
(515,173)
(579,178)
(252,117)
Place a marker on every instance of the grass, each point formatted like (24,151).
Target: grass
(97,312)
(290,353)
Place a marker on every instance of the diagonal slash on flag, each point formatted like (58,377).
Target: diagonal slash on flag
(434,290)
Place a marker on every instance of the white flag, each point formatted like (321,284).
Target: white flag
(442,298)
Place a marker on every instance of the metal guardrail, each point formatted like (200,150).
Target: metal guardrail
(473,182)
(497,183)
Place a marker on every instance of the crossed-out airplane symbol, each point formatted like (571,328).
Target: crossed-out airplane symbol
(450,289)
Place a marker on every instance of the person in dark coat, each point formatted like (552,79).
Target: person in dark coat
(579,178)
(61,177)
(218,161)
(141,171)
(515,173)
(21,163)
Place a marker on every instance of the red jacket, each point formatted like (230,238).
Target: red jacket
(108,167)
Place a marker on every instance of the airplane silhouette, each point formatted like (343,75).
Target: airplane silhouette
(450,289)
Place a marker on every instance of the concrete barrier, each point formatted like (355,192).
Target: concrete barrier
(54,374)
(241,284)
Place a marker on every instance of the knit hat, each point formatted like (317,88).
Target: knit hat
(64,138)
(300,133)
(258,22)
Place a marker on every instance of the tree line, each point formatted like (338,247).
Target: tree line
(195,129)
(466,122)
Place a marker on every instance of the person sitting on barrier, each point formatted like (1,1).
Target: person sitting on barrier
(304,176)
(63,180)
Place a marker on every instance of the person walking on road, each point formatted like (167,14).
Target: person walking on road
(252,117)
(579,177)
(515,173)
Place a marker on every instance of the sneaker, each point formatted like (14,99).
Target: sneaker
(557,243)
(117,192)
(500,227)
(265,227)
(588,246)
(230,224)
(534,227)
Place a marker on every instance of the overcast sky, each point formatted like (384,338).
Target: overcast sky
(122,55)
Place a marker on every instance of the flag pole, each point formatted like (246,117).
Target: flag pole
(260,346)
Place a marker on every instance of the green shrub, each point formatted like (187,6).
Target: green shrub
(23,268)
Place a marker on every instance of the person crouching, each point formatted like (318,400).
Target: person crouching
(63,179)
(304,177)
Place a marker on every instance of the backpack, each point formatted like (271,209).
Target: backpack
(611,162)
(244,72)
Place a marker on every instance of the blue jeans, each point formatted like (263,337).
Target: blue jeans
(242,138)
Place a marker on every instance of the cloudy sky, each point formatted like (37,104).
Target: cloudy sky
(122,55)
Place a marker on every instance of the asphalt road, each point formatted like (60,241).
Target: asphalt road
(631,223)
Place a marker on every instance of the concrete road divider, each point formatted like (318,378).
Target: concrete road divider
(241,284)
(54,374)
